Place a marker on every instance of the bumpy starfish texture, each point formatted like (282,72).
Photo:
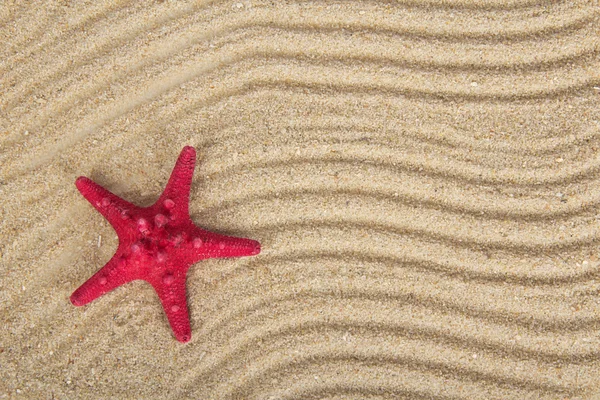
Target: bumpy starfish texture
(157,244)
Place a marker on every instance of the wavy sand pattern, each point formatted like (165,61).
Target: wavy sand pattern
(424,178)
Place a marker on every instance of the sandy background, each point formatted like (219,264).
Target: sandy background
(424,179)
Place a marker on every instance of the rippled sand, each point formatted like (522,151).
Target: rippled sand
(424,178)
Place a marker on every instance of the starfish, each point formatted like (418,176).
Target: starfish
(157,244)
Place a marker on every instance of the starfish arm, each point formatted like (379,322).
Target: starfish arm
(171,291)
(111,206)
(213,245)
(108,278)
(176,195)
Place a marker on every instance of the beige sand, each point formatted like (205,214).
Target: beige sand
(424,180)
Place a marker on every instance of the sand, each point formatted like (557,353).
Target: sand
(424,178)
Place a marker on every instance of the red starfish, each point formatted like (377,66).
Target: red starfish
(157,244)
